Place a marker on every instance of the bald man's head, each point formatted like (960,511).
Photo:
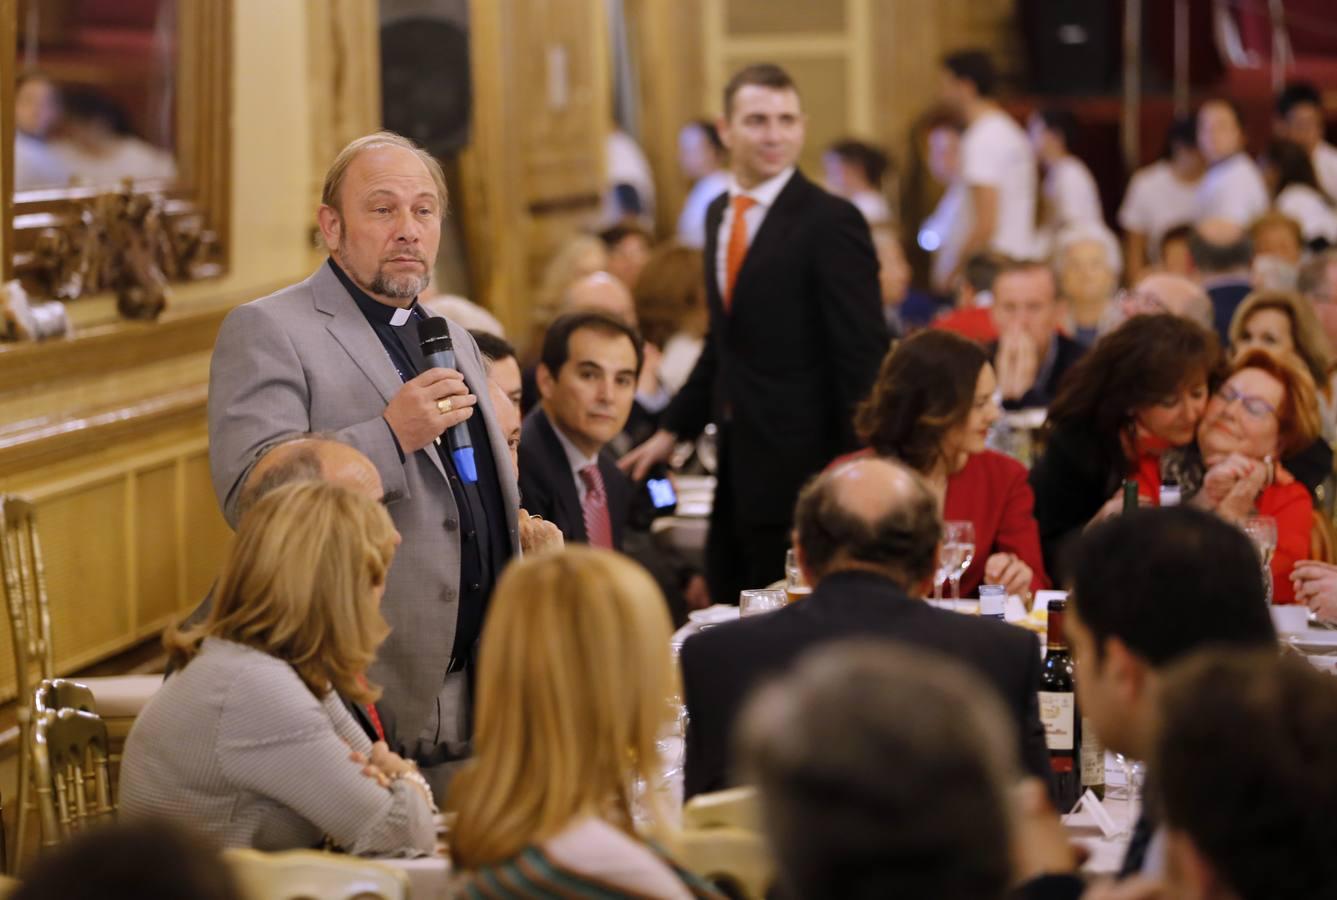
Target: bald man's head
(872,514)
(1175,294)
(1219,247)
(310,459)
(508,420)
(603,293)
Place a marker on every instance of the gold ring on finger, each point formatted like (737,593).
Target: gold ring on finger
(445,406)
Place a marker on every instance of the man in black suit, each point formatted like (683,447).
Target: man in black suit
(796,334)
(587,381)
(1031,355)
(867,537)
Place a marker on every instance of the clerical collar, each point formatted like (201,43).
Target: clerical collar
(372,308)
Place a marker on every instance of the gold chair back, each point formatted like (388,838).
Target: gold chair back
(721,841)
(311,875)
(70,760)
(24,582)
(61,693)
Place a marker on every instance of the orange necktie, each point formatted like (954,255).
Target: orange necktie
(733,261)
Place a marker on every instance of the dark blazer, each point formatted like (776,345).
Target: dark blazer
(548,487)
(1226,296)
(783,370)
(1040,394)
(721,666)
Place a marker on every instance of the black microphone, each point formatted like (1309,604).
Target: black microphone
(438,351)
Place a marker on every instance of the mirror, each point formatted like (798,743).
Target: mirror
(93,98)
(118,176)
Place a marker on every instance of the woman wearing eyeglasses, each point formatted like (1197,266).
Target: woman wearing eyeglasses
(1266,410)
(1284,322)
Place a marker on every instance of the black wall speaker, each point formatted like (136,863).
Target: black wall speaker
(426,91)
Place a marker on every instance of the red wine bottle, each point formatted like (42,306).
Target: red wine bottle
(1058,712)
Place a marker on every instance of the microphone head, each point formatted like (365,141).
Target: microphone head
(434,334)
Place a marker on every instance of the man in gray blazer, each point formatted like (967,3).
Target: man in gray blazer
(339,354)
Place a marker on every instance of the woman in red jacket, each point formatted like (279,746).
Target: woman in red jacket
(932,407)
(1266,410)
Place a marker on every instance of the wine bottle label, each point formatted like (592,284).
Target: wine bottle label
(1057,712)
(1093,756)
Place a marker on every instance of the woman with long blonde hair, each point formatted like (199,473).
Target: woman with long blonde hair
(249,741)
(574,681)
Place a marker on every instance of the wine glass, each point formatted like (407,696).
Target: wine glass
(954,557)
(1262,530)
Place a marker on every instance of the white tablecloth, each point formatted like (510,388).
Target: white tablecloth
(429,876)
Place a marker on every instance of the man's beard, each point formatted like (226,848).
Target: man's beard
(396,287)
(399,287)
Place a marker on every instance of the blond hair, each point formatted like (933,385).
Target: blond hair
(300,584)
(1311,344)
(334,178)
(573,686)
(581,255)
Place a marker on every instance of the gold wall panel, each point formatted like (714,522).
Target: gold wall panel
(207,536)
(157,584)
(761,17)
(84,540)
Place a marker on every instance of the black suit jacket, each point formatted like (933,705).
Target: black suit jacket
(800,346)
(1041,394)
(548,487)
(721,666)
(1226,297)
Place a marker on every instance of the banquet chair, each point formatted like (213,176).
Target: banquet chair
(71,773)
(721,841)
(119,698)
(303,874)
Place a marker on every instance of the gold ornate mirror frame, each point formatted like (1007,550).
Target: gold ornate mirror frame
(177,231)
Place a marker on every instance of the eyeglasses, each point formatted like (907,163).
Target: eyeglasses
(1254,406)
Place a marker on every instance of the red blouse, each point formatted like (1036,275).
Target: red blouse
(992,492)
(1292,507)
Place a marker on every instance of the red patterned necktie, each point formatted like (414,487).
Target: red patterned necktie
(598,527)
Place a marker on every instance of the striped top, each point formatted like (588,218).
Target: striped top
(591,860)
(236,747)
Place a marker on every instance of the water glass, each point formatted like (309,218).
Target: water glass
(1262,530)
(756,602)
(954,556)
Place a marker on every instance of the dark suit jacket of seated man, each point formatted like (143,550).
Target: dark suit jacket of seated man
(548,485)
(865,530)
(721,666)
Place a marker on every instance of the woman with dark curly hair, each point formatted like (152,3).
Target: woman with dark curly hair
(932,407)
(1140,391)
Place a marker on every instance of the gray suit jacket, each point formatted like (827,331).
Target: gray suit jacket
(236,747)
(305,360)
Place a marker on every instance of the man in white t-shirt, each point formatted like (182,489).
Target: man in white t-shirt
(1300,118)
(1160,197)
(1233,189)
(1071,198)
(997,164)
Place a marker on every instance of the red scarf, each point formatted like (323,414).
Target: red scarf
(1147,465)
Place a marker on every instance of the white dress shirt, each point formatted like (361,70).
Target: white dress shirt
(1157,200)
(765,194)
